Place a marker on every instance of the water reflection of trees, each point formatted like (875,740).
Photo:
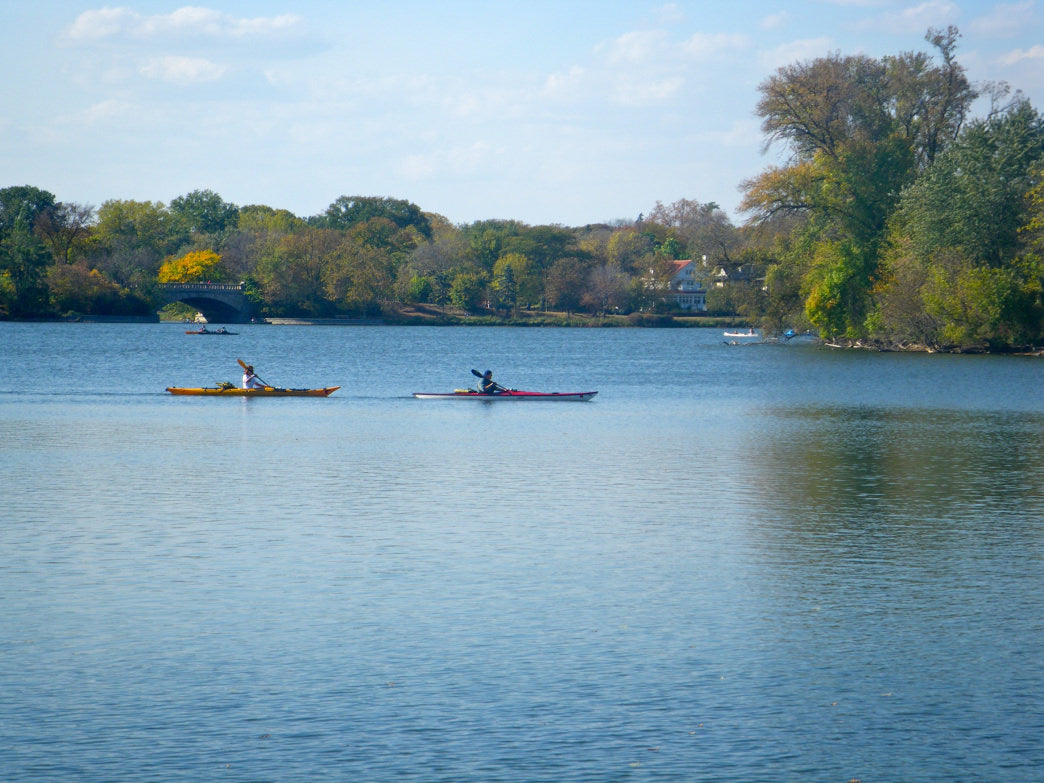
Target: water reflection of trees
(914,476)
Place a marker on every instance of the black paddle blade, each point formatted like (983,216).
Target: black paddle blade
(476,373)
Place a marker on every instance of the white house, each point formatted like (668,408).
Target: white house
(684,288)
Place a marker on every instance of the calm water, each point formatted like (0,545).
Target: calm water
(757,563)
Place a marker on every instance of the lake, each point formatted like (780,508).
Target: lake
(737,563)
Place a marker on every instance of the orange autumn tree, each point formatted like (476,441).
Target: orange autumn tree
(199,266)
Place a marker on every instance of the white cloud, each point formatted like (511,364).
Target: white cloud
(1020,55)
(1004,21)
(704,46)
(417,167)
(182,70)
(636,47)
(103,23)
(109,23)
(463,159)
(775,21)
(641,68)
(671,13)
(565,85)
(915,19)
(742,134)
(795,51)
(641,92)
(655,47)
(105,110)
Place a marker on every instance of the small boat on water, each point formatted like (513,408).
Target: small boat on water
(507,394)
(753,338)
(264,391)
(207,331)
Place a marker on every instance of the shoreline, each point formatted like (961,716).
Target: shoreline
(430,316)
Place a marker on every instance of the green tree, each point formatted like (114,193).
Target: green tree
(260,219)
(23,260)
(123,225)
(974,197)
(929,102)
(348,211)
(504,286)
(130,239)
(23,257)
(22,204)
(204,212)
(960,268)
(526,284)
(467,290)
(75,288)
(8,294)
(358,278)
(65,229)
(420,289)
(438,261)
(293,276)
(488,239)
(629,248)
(856,141)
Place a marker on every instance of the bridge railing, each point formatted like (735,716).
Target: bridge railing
(205,286)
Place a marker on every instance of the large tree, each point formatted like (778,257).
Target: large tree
(856,133)
(130,240)
(961,270)
(348,211)
(23,264)
(22,203)
(702,229)
(204,212)
(65,229)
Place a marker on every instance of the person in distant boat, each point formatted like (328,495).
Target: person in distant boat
(222,330)
(251,381)
(487,385)
(203,329)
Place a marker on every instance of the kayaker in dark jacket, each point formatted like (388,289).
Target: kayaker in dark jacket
(487,385)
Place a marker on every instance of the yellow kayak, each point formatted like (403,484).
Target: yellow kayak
(266,391)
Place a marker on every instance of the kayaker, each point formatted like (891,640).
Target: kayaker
(487,385)
(251,381)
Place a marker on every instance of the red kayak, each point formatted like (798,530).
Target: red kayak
(508,394)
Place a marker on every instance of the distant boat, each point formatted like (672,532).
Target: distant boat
(753,338)
(207,331)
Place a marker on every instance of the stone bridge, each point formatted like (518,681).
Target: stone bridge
(219,303)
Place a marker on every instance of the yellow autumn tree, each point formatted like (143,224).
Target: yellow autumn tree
(199,266)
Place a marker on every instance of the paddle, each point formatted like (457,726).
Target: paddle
(496,385)
(244,366)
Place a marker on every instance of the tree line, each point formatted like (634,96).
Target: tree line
(898,219)
(363,256)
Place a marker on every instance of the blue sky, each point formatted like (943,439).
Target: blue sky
(545,112)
